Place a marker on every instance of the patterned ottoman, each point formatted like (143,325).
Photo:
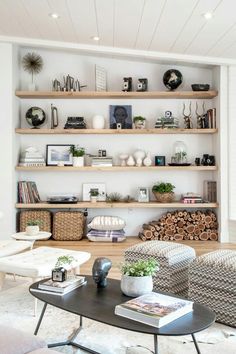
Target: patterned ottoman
(173,259)
(212,281)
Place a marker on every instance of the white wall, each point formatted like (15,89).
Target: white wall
(58,63)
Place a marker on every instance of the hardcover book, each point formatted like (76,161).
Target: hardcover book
(71,283)
(154,309)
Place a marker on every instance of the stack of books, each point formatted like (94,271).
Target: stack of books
(211,118)
(101,161)
(31,157)
(191,198)
(49,286)
(210,191)
(163,122)
(154,309)
(28,192)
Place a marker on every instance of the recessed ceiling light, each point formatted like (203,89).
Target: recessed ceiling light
(208,15)
(54,15)
(95,38)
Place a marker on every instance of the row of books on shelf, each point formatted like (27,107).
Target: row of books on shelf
(28,192)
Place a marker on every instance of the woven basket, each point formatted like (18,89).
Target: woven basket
(164,197)
(68,225)
(44,216)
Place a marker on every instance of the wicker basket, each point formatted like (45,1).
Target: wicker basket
(44,216)
(68,225)
(164,197)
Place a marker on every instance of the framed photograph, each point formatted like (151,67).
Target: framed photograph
(100,78)
(100,187)
(143,195)
(160,160)
(59,154)
(120,117)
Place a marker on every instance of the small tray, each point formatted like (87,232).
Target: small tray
(179,164)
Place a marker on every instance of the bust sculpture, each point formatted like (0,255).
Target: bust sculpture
(101,267)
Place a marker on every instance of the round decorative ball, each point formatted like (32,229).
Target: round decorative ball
(35,117)
(172,79)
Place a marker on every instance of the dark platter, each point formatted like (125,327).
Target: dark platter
(200,87)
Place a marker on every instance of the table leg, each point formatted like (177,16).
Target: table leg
(40,318)
(195,343)
(155,344)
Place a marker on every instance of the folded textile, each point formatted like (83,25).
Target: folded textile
(106,233)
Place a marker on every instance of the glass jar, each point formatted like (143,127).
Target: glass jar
(180,155)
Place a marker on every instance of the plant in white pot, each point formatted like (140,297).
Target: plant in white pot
(32,227)
(78,155)
(136,279)
(94,194)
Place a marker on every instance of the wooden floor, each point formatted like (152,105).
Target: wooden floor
(115,251)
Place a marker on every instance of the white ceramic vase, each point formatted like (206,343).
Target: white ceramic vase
(78,161)
(147,161)
(98,122)
(93,199)
(123,158)
(32,230)
(139,155)
(136,286)
(130,161)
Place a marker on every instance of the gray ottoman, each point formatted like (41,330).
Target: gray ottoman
(212,281)
(173,259)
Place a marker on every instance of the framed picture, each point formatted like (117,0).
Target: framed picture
(100,78)
(120,117)
(143,195)
(160,160)
(59,154)
(100,187)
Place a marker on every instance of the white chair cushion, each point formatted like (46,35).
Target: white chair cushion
(10,247)
(39,262)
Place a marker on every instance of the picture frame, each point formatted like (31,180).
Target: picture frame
(120,117)
(100,78)
(160,160)
(58,153)
(143,195)
(87,187)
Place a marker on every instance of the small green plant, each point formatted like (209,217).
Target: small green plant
(162,187)
(34,223)
(113,197)
(63,260)
(140,268)
(138,118)
(94,193)
(77,151)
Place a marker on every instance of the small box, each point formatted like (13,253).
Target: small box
(59,274)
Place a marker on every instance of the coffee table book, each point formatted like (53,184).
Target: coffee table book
(48,286)
(154,309)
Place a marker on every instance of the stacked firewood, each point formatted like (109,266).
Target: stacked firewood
(182,225)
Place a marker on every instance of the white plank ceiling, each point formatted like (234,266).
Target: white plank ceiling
(173,26)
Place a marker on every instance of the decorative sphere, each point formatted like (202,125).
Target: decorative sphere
(172,79)
(35,117)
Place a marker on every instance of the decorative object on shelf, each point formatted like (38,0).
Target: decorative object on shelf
(75,123)
(94,194)
(163,192)
(136,277)
(44,216)
(87,187)
(56,85)
(68,226)
(160,160)
(59,274)
(142,85)
(100,80)
(200,87)
(180,155)
(168,121)
(114,197)
(191,198)
(98,122)
(32,227)
(197,161)
(210,118)
(101,267)
(33,64)
(187,117)
(139,156)
(143,195)
(182,225)
(127,84)
(123,158)
(69,84)
(58,152)
(99,161)
(172,79)
(147,161)
(130,161)
(28,193)
(102,153)
(31,157)
(62,199)
(121,115)
(139,122)
(106,235)
(35,116)
(200,117)
(54,117)
(208,160)
(77,155)
(107,222)
(210,191)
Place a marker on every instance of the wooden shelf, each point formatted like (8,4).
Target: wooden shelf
(116,168)
(104,205)
(114,131)
(121,95)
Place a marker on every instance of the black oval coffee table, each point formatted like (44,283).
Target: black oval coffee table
(99,304)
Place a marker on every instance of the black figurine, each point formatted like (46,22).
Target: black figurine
(101,267)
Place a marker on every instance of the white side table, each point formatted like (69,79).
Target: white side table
(42,235)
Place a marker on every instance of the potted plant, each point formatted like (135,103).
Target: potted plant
(136,277)
(139,122)
(78,156)
(32,227)
(163,192)
(94,193)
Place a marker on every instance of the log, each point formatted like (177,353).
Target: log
(203,236)
(156,234)
(191,237)
(165,238)
(147,234)
(178,237)
(214,236)
(140,235)
(149,227)
(169,233)
(180,224)
(190,229)
(181,231)
(196,238)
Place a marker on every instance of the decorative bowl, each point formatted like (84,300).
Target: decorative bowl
(200,87)
(164,197)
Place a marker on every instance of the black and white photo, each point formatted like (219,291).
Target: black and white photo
(121,117)
(59,153)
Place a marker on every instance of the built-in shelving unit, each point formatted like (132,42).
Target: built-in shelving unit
(122,95)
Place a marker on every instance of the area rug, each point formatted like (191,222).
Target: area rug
(16,309)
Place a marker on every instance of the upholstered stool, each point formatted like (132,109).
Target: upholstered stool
(173,259)
(212,281)
(9,247)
